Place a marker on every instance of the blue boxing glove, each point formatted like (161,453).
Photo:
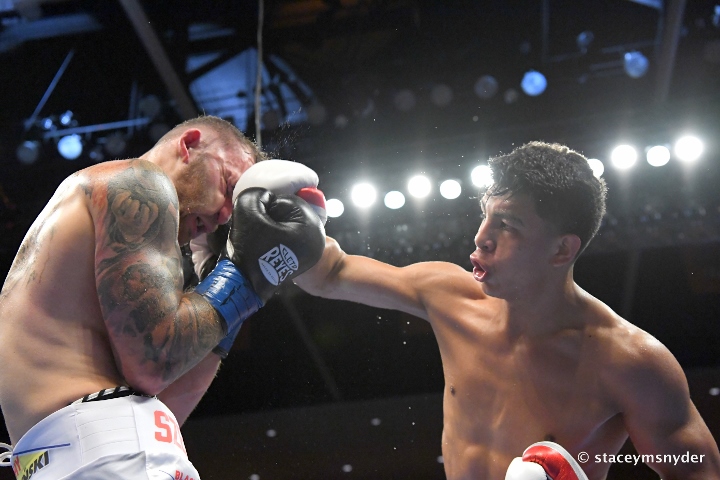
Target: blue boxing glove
(272,238)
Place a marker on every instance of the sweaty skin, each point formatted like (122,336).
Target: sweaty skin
(540,360)
(94,297)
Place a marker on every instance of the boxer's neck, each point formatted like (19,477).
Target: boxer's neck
(546,311)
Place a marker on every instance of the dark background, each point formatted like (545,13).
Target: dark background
(315,371)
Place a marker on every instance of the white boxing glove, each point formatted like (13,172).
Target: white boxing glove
(522,470)
(282,177)
(545,461)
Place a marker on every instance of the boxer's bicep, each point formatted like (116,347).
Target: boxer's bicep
(138,272)
(661,418)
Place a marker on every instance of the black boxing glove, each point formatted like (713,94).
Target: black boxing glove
(272,238)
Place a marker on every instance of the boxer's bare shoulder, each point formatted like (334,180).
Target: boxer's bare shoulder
(133,203)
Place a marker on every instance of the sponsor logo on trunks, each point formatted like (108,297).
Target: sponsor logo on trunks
(25,466)
(168,431)
(181,476)
(278,264)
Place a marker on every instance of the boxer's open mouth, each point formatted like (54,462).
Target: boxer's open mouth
(478,271)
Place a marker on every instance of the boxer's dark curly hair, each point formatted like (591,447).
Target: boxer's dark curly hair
(559,181)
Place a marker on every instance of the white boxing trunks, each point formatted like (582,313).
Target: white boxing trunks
(133,437)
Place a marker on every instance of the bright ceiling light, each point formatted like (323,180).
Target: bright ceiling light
(623,157)
(363,195)
(597,167)
(658,155)
(66,118)
(533,83)
(481,176)
(394,200)
(334,208)
(688,148)
(70,146)
(635,64)
(450,189)
(419,186)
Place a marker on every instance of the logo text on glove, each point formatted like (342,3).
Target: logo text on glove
(278,264)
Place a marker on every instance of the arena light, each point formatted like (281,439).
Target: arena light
(510,96)
(70,146)
(115,144)
(481,176)
(597,167)
(334,208)
(688,148)
(28,152)
(533,83)
(658,155)
(623,157)
(486,87)
(584,39)
(635,64)
(66,118)
(419,186)
(450,189)
(394,200)
(363,195)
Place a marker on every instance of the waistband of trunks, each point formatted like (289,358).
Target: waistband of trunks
(108,393)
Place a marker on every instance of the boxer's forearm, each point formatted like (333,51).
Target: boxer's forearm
(321,280)
(183,395)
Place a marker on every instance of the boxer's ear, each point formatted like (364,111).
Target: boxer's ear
(188,140)
(566,249)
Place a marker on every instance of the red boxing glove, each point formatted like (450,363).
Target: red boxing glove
(545,461)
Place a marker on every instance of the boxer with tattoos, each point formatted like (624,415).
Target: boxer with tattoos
(104,356)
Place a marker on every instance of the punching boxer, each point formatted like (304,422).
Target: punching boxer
(104,356)
(527,354)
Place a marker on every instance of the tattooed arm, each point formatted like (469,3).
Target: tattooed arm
(157,333)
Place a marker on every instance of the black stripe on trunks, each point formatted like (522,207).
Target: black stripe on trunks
(109,393)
